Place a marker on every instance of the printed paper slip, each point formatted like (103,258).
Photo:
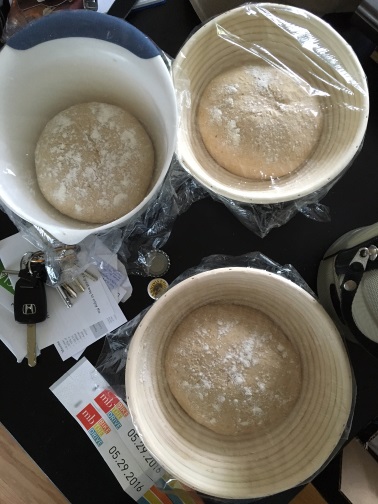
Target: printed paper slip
(105,419)
(96,305)
(93,314)
(112,270)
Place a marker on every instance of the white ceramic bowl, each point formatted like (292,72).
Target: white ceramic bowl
(242,466)
(309,47)
(67,58)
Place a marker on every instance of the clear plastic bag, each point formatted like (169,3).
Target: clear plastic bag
(114,356)
(228,141)
(152,229)
(65,262)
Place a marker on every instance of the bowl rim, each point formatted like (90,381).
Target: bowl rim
(274,194)
(142,401)
(72,231)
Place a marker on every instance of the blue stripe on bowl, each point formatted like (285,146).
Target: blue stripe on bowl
(82,23)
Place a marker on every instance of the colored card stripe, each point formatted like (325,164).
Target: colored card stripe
(162,496)
(151,498)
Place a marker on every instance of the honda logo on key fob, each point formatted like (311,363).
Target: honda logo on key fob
(29,309)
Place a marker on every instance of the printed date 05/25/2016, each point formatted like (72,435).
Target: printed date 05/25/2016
(124,468)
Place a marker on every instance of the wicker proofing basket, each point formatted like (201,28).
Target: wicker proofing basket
(292,36)
(242,466)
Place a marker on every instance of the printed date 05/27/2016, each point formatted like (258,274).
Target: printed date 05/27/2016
(124,468)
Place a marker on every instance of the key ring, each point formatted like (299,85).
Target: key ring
(41,259)
(29,257)
(23,263)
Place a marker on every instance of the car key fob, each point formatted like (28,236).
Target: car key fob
(30,307)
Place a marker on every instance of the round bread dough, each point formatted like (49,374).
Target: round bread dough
(94,162)
(232,369)
(258,122)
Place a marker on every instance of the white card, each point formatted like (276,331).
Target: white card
(106,420)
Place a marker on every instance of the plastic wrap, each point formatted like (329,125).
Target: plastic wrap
(180,190)
(261,219)
(63,262)
(114,359)
(229,142)
(152,229)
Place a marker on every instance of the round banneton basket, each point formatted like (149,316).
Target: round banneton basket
(242,466)
(304,47)
(68,58)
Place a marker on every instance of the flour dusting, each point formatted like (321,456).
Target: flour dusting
(258,122)
(94,162)
(227,367)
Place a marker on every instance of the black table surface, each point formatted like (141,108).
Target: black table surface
(41,424)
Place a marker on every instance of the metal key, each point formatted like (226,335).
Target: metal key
(30,304)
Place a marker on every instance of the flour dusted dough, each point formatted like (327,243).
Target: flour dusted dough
(94,162)
(257,122)
(232,369)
